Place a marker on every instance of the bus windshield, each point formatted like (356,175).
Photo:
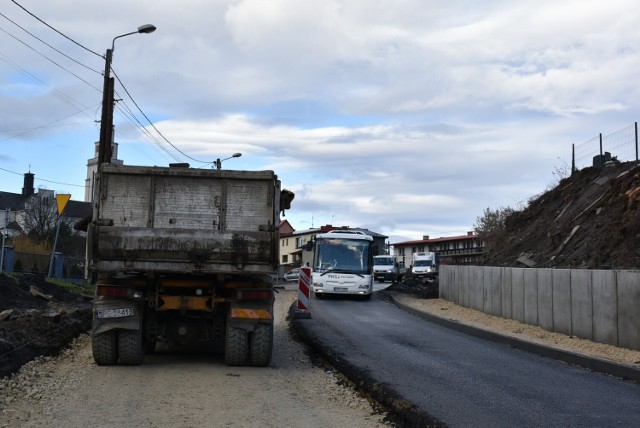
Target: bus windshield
(343,255)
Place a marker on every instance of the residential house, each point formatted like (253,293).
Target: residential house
(13,207)
(453,250)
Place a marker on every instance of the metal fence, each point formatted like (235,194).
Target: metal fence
(68,268)
(622,144)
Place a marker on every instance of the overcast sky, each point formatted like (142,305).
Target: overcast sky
(406,117)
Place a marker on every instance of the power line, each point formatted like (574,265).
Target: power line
(26,131)
(101,56)
(47,44)
(127,113)
(48,59)
(63,35)
(42,179)
(153,126)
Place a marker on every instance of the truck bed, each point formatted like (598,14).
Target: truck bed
(188,220)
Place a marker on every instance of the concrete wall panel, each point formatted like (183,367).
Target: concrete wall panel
(562,301)
(517,294)
(465,292)
(506,302)
(581,304)
(605,307)
(446,283)
(531,296)
(477,288)
(545,299)
(593,304)
(487,293)
(628,312)
(495,287)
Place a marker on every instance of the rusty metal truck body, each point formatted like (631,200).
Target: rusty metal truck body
(183,256)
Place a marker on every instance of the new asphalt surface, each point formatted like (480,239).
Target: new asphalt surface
(434,372)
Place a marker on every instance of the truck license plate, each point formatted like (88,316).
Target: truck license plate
(115,313)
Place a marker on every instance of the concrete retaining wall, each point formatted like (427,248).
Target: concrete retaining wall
(599,305)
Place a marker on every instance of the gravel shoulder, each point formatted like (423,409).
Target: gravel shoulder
(185,389)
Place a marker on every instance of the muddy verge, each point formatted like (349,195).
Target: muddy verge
(37,318)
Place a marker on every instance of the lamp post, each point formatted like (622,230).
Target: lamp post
(219,161)
(106,121)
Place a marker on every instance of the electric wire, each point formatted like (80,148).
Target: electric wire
(47,125)
(126,111)
(47,44)
(43,179)
(58,94)
(62,34)
(48,59)
(153,126)
(142,127)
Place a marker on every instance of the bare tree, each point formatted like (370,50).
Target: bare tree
(490,227)
(40,217)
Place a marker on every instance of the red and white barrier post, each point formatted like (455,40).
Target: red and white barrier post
(304,291)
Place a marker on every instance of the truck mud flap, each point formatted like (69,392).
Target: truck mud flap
(115,314)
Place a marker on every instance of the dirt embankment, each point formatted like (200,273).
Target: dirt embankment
(590,220)
(37,318)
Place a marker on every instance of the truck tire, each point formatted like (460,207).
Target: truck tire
(104,348)
(130,347)
(261,345)
(236,346)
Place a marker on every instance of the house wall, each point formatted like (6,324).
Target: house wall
(598,305)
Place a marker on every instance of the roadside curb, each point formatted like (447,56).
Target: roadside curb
(590,363)
(410,414)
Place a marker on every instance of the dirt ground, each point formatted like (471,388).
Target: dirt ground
(38,323)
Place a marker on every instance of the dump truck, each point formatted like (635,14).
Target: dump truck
(184,256)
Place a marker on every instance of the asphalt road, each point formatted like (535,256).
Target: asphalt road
(461,380)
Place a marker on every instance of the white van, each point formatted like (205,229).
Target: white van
(385,268)
(425,265)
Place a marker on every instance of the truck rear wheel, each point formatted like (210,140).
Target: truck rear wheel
(104,348)
(130,348)
(261,345)
(236,346)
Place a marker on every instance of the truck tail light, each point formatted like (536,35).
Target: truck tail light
(254,295)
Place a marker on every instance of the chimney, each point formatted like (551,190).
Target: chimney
(425,237)
(28,189)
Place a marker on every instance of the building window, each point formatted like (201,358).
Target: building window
(285,258)
(299,242)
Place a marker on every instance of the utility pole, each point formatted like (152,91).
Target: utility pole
(4,234)
(106,121)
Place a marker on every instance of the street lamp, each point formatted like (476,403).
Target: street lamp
(106,122)
(219,161)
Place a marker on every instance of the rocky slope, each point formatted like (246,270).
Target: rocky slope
(589,220)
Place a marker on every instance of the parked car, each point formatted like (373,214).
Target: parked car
(292,275)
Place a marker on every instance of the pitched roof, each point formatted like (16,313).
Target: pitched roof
(441,239)
(13,201)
